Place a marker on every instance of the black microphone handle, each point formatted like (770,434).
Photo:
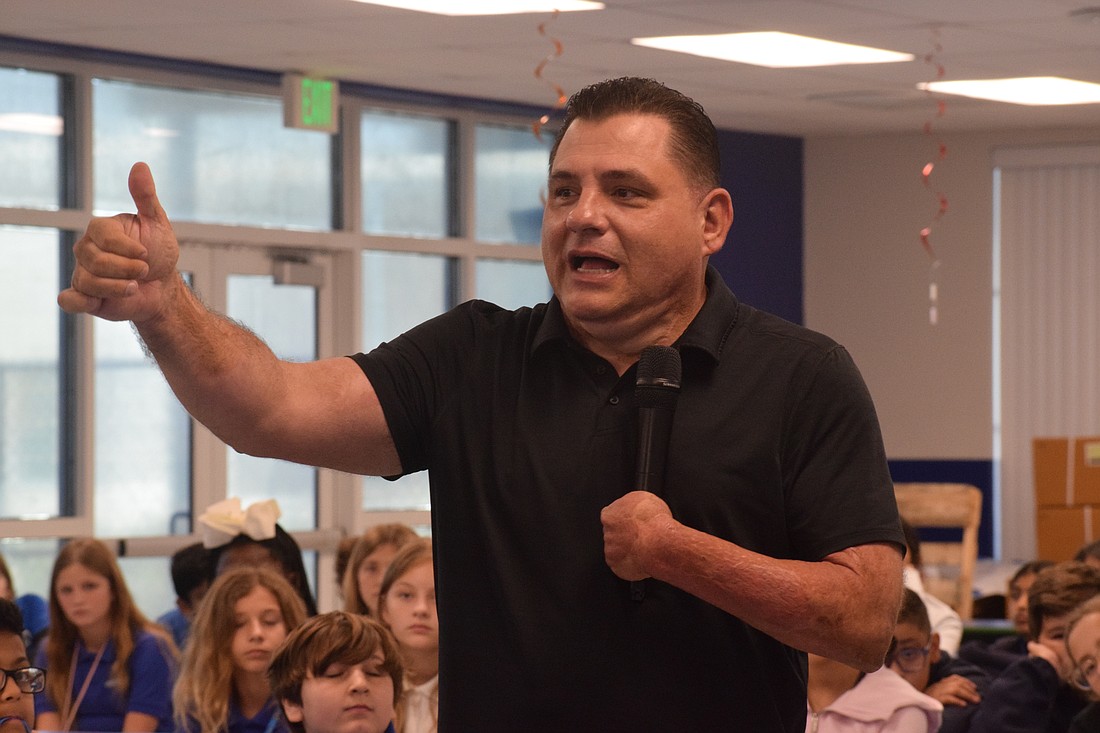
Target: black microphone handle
(654,427)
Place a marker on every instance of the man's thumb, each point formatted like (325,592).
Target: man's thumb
(144,193)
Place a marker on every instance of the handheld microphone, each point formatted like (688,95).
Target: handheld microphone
(656,389)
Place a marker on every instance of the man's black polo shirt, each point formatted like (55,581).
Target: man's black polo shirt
(775,446)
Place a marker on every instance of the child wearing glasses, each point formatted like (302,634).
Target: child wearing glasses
(19,681)
(1083,645)
(841,699)
(338,673)
(917,657)
(1036,694)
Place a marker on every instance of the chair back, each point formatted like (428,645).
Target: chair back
(947,566)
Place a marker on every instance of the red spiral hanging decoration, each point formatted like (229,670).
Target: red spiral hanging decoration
(559,93)
(940,153)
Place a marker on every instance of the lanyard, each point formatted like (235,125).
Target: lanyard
(71,706)
(5,719)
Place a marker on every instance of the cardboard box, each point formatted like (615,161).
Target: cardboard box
(1067,471)
(1062,531)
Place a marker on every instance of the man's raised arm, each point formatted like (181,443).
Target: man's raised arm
(322,413)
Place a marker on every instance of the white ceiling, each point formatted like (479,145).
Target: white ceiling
(495,57)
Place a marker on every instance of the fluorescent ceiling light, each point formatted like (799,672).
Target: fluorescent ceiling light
(1033,90)
(34,124)
(773,49)
(487,7)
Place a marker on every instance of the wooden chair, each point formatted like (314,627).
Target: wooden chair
(948,567)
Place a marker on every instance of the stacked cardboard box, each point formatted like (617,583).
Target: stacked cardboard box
(1067,495)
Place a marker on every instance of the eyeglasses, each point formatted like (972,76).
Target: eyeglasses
(910,659)
(27,679)
(1082,673)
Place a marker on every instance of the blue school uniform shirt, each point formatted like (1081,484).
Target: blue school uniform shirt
(152,673)
(266,721)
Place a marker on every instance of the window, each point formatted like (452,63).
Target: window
(142,454)
(512,284)
(221,158)
(247,196)
(510,166)
(30,429)
(405,175)
(30,139)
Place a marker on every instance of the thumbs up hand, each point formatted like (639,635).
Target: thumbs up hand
(125,264)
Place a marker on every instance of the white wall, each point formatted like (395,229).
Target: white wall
(867,278)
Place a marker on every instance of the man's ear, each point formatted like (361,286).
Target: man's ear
(934,648)
(292,711)
(717,210)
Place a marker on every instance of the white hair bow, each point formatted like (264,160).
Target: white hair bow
(223,521)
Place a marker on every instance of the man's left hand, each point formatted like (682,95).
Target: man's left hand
(628,524)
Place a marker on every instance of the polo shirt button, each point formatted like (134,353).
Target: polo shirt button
(614,400)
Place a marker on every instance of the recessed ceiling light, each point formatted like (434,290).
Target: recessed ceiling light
(1032,90)
(487,7)
(773,49)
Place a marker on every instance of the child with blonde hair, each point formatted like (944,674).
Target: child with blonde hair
(109,668)
(223,686)
(406,605)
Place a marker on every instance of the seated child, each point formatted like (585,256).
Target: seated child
(945,620)
(252,537)
(994,657)
(840,699)
(109,668)
(223,685)
(1083,645)
(18,679)
(191,575)
(1034,695)
(917,657)
(338,672)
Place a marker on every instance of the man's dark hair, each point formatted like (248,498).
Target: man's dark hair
(693,141)
(11,620)
(191,567)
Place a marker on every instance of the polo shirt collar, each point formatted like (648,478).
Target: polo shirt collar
(707,333)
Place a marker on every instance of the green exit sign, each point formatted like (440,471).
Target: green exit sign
(310,104)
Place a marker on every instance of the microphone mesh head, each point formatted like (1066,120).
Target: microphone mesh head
(659,365)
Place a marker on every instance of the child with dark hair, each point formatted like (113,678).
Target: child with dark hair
(1034,694)
(945,620)
(338,672)
(19,681)
(253,538)
(995,657)
(1089,554)
(191,576)
(917,657)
